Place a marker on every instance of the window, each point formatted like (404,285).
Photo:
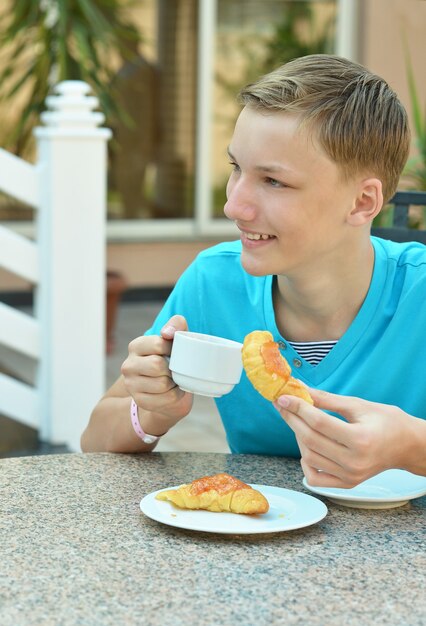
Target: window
(159,166)
(252,38)
(153,158)
(168,168)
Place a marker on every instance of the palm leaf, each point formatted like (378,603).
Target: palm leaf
(99,24)
(416,169)
(418,120)
(79,45)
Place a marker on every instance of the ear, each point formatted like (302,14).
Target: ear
(368,202)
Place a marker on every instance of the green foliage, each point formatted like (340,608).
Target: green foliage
(287,42)
(296,34)
(46,41)
(415,170)
(416,167)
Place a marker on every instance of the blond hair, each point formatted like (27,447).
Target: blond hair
(357,118)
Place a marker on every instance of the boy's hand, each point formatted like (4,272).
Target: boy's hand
(148,379)
(337,453)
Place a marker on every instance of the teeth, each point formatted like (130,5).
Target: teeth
(256,236)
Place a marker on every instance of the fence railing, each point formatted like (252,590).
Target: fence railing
(65,264)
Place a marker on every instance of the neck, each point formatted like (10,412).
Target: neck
(319,304)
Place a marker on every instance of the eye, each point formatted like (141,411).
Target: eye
(274,182)
(235,166)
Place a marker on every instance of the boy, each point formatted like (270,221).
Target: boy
(318,148)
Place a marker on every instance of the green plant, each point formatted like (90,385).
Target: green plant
(297,33)
(43,42)
(415,170)
(416,166)
(288,42)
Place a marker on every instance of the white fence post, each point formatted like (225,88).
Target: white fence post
(70,301)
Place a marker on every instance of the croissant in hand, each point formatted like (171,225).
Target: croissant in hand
(219,493)
(267,370)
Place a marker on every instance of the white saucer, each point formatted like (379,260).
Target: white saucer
(387,490)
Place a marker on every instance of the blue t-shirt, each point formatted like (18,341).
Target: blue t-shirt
(381,357)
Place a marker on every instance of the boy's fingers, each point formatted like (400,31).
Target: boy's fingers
(346,406)
(177,322)
(293,409)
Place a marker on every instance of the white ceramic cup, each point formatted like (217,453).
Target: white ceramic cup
(204,364)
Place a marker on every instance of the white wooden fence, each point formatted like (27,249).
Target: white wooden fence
(66,265)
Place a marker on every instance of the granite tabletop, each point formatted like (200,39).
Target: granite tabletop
(76,549)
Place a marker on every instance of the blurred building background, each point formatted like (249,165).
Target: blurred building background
(168,167)
(170,100)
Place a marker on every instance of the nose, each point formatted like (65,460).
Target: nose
(240,203)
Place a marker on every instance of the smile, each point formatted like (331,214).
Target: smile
(257,236)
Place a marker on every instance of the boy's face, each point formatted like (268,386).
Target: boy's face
(285,189)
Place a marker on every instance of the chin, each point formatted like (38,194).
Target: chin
(255,268)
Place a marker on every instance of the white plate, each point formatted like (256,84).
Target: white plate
(288,510)
(387,490)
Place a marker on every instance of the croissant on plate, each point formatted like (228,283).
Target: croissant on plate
(267,370)
(218,493)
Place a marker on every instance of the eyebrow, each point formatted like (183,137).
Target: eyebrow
(265,168)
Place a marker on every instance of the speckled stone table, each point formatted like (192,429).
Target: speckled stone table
(75,549)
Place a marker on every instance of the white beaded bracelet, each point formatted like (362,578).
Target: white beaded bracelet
(134,416)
